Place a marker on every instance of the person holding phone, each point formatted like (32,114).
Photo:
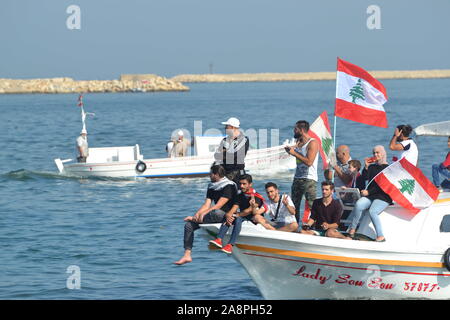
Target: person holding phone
(402,142)
(306,153)
(373,199)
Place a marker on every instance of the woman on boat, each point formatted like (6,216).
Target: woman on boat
(373,199)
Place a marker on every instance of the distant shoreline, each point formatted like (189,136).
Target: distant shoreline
(155,83)
(306,76)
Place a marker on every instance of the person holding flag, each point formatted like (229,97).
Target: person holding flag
(373,199)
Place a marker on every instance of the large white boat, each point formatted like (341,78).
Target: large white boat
(128,162)
(412,263)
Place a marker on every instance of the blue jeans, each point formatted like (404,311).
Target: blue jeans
(437,170)
(375,207)
(236,230)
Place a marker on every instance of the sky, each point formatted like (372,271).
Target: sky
(170,37)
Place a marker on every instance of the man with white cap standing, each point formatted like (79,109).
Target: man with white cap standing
(82,146)
(179,147)
(232,150)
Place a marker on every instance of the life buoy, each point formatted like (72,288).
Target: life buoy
(141,166)
(447,259)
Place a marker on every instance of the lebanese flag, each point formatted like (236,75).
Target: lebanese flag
(306,212)
(80,100)
(359,96)
(407,186)
(320,130)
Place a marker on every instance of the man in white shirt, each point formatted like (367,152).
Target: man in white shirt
(402,142)
(82,146)
(281,211)
(179,147)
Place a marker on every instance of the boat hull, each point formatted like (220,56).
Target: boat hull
(296,266)
(267,160)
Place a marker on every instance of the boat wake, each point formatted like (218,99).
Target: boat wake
(25,175)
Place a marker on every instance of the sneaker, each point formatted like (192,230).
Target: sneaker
(228,249)
(217,242)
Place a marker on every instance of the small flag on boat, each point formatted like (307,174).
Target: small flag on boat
(320,130)
(306,212)
(359,96)
(80,100)
(407,186)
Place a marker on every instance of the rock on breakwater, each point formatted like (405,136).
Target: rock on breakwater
(68,85)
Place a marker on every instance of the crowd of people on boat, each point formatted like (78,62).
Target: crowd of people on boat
(231,198)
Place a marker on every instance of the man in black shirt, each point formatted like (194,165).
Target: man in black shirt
(326,213)
(232,150)
(249,203)
(223,193)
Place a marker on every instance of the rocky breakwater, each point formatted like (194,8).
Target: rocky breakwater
(307,76)
(68,85)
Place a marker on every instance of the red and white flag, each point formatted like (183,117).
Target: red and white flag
(320,130)
(407,186)
(80,100)
(359,96)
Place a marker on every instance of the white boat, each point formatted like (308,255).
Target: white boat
(412,263)
(434,129)
(128,162)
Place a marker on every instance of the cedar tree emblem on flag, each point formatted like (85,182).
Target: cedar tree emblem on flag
(320,130)
(407,185)
(357,92)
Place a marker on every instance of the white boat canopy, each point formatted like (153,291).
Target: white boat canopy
(434,129)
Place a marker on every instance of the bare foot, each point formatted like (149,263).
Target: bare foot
(183,260)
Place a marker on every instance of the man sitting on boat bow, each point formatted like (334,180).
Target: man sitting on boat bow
(250,204)
(281,210)
(326,213)
(223,193)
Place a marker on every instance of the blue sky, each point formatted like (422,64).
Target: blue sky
(170,37)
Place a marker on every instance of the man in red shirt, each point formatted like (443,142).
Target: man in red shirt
(326,213)
(442,169)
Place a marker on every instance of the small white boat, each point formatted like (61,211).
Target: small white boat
(412,263)
(128,162)
(434,129)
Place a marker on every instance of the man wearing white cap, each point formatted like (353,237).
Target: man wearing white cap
(82,146)
(232,150)
(179,146)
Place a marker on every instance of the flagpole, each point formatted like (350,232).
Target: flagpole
(334,125)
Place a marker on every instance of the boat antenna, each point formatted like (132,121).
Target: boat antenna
(83,113)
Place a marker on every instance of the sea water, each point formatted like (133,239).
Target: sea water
(122,236)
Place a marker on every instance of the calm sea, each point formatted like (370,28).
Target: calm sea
(124,235)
